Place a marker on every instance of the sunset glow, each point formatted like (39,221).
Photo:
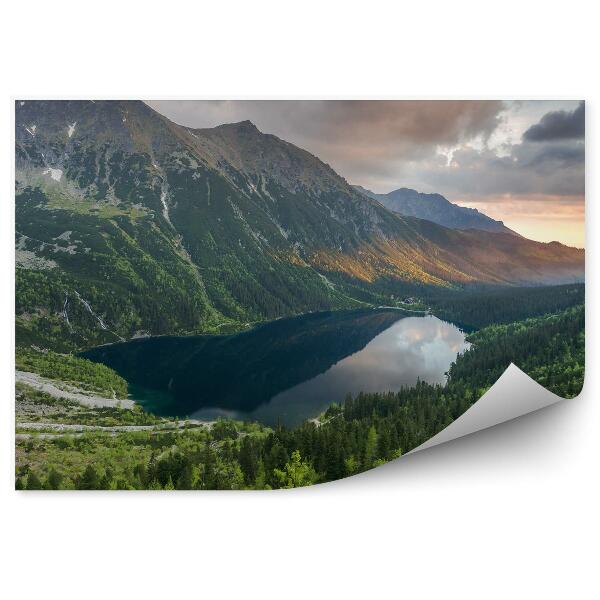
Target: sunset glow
(544,219)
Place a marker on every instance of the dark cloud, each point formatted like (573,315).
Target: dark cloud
(557,157)
(529,168)
(558,125)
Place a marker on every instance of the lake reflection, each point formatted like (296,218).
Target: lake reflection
(413,348)
(287,370)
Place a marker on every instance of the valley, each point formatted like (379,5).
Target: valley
(219,309)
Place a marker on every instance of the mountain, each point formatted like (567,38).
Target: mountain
(128,224)
(436,208)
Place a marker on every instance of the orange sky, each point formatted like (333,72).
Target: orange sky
(543,218)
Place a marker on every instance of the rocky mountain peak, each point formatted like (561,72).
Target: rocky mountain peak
(244,126)
(436,208)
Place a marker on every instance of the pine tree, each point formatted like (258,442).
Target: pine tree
(383,443)
(89,479)
(370,447)
(248,459)
(54,479)
(184,482)
(260,482)
(33,482)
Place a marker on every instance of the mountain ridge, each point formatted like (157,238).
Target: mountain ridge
(436,208)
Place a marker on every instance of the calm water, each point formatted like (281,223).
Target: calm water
(289,370)
(413,348)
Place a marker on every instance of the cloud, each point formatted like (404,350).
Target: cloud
(558,125)
(552,157)
(529,168)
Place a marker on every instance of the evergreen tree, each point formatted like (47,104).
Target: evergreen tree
(260,482)
(33,482)
(54,479)
(184,482)
(383,443)
(297,473)
(370,447)
(89,480)
(248,459)
(352,465)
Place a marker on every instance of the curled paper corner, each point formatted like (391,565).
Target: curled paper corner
(514,394)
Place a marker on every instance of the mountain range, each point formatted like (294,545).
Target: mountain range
(436,208)
(128,224)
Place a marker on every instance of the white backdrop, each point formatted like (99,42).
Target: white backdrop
(509,512)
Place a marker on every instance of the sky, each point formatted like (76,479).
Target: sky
(521,162)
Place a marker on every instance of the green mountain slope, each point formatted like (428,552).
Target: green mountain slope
(130,224)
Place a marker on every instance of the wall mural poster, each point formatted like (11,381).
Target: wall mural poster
(275,294)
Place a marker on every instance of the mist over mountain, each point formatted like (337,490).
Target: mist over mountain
(129,224)
(436,208)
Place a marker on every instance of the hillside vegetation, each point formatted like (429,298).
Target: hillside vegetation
(476,308)
(73,370)
(367,431)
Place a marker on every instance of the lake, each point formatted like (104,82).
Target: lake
(288,370)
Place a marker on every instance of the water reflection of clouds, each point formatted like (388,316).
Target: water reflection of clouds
(413,348)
